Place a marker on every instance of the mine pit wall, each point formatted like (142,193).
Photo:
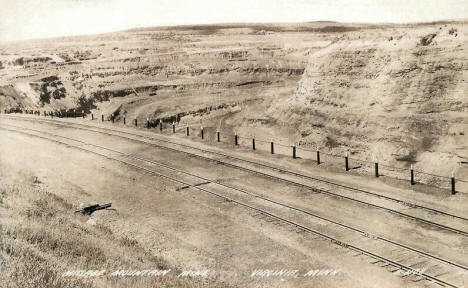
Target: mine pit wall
(13,100)
(398,99)
(396,93)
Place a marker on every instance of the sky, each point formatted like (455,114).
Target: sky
(28,19)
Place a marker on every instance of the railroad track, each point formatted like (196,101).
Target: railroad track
(399,257)
(447,217)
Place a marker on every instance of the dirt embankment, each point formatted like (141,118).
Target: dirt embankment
(392,92)
(42,239)
(398,95)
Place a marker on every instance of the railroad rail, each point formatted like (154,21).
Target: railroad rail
(278,169)
(274,168)
(451,269)
(314,189)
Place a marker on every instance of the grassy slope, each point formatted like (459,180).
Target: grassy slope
(41,238)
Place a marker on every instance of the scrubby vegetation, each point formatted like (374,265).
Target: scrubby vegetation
(41,239)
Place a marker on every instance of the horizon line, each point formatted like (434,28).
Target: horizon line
(135,28)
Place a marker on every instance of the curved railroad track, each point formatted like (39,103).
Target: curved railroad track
(376,247)
(429,210)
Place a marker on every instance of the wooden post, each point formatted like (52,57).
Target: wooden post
(412,174)
(218,136)
(453,184)
(346,162)
(136,122)
(294,151)
(124,119)
(253,143)
(92,116)
(147,123)
(202,134)
(102,117)
(318,157)
(236,141)
(112,117)
(376,169)
(272,147)
(188,130)
(173,127)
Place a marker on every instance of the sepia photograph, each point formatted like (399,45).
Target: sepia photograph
(248,143)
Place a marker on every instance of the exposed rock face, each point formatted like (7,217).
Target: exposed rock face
(206,65)
(399,98)
(12,100)
(26,60)
(395,92)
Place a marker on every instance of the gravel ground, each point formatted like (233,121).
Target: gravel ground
(192,230)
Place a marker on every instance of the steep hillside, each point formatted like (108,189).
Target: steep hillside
(393,92)
(157,72)
(396,94)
